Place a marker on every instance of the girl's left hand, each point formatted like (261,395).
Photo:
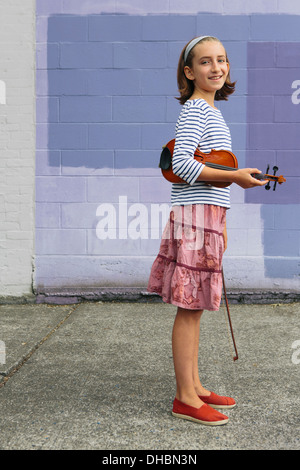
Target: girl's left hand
(243,178)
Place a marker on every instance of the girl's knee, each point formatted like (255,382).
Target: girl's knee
(189,314)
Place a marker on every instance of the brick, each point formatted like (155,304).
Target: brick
(47,215)
(78,7)
(237,54)
(47,109)
(140,55)
(78,215)
(238,241)
(139,109)
(142,7)
(234,110)
(240,76)
(268,215)
(61,82)
(47,162)
(112,247)
(239,218)
(288,54)
(287,217)
(162,193)
(114,136)
(159,82)
(289,161)
(91,55)
(285,110)
(44,7)
(85,109)
(261,55)
(275,28)
(111,82)
(291,7)
(135,161)
(174,51)
(260,109)
(254,6)
(60,242)
(238,136)
(41,29)
(276,81)
(99,189)
(282,242)
(154,136)
(173,109)
(276,136)
(87,162)
(195,6)
(282,268)
(64,28)
(224,27)
(59,189)
(41,136)
(47,56)
(169,28)
(112,28)
(67,136)
(260,159)
(53,271)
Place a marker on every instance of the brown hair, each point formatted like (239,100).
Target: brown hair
(186,86)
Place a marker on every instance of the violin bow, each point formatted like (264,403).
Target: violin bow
(235,358)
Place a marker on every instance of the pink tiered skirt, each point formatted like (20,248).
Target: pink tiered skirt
(187,271)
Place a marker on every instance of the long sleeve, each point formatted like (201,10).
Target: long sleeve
(188,135)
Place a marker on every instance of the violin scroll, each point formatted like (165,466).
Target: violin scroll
(277,179)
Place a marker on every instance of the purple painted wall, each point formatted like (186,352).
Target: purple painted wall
(273,116)
(105,106)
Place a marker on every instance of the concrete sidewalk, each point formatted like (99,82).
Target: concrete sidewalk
(100,376)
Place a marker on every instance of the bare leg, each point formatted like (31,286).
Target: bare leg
(200,390)
(185,336)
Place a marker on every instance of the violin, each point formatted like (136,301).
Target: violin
(218,159)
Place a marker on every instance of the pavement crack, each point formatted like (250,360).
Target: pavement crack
(4,379)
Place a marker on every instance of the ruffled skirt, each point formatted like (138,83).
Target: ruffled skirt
(187,271)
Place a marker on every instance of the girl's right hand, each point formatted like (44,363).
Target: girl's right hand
(243,178)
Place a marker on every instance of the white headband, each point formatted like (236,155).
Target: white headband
(192,44)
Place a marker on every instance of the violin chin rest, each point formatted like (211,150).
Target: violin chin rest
(165,159)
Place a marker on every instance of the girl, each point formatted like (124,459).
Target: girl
(188,269)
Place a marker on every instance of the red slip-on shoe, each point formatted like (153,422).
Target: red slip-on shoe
(203,415)
(218,402)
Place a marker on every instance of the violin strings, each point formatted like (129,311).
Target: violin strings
(220,167)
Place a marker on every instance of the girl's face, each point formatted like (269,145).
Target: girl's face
(209,67)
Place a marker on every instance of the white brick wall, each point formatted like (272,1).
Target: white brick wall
(17,146)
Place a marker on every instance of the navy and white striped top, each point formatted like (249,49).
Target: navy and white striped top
(199,125)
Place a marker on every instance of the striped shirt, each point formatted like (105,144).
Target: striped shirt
(199,126)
